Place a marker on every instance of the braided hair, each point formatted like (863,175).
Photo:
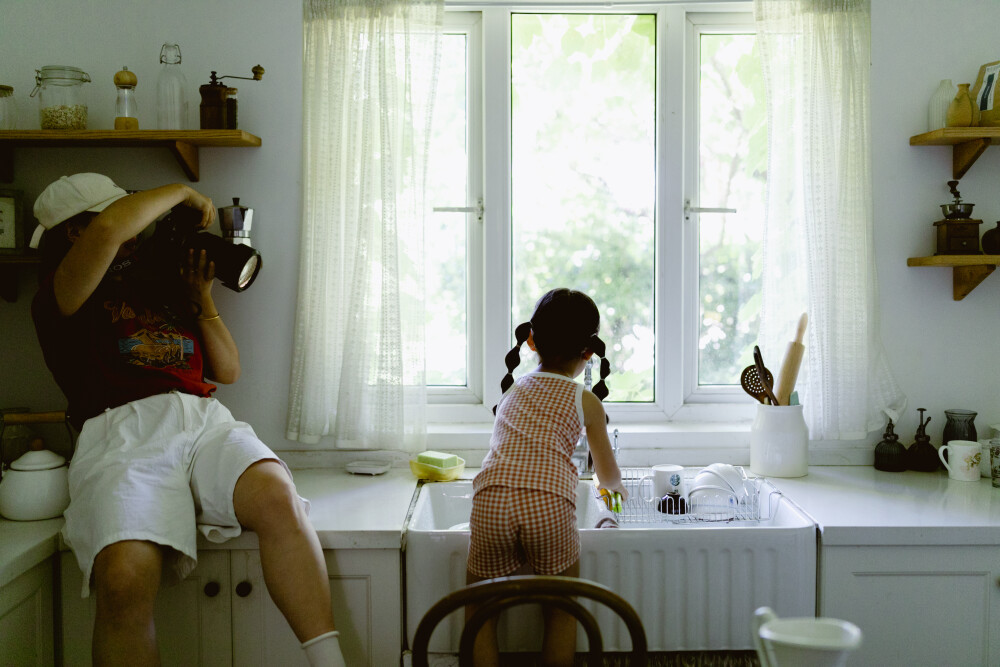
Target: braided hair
(564,326)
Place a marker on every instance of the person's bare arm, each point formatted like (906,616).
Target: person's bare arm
(596,425)
(222,356)
(93,251)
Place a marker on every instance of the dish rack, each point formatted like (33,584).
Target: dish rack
(758,506)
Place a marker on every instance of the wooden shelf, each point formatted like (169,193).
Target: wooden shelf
(967,270)
(967,143)
(183,144)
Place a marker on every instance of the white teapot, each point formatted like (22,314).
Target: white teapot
(36,486)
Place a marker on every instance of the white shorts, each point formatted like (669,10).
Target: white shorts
(158,469)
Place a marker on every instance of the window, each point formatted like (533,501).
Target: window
(576,148)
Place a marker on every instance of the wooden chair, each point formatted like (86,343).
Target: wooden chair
(495,595)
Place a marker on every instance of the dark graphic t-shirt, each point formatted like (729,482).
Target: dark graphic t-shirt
(116,349)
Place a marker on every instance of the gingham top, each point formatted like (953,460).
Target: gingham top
(538,423)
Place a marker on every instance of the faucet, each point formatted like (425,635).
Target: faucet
(581,453)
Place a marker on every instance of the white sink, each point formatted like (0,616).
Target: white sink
(695,584)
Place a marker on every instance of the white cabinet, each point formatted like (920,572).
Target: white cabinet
(26,619)
(916,605)
(221,614)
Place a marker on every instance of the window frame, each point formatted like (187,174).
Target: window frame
(677,396)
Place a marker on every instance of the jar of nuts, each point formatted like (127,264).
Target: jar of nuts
(61,100)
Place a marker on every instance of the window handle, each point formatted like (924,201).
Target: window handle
(688,209)
(477,209)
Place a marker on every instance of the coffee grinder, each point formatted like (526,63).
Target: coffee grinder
(218,101)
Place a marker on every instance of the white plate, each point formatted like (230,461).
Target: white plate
(368,467)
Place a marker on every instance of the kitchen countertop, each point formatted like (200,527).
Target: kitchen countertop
(852,505)
(858,505)
(348,511)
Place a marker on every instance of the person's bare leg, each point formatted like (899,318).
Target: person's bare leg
(126,579)
(290,554)
(485,650)
(559,645)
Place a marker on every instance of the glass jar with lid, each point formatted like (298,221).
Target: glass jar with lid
(62,105)
(8,110)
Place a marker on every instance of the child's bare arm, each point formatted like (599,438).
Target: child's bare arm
(600,446)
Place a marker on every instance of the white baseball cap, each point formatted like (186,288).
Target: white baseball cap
(71,195)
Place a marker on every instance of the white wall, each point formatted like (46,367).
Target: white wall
(940,350)
(100,36)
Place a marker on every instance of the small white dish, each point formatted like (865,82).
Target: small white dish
(368,467)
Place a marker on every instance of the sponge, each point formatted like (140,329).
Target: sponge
(439,459)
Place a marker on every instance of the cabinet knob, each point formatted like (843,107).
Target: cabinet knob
(212,589)
(244,588)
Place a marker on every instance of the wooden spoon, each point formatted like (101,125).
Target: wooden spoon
(764,373)
(752,384)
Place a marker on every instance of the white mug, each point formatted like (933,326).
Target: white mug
(965,456)
(666,478)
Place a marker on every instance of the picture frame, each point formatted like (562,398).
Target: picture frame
(985,100)
(12,240)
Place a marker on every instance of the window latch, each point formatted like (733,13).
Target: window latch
(477,209)
(688,209)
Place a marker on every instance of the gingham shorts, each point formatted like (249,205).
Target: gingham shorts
(512,526)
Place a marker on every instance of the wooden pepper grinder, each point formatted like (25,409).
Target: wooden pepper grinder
(126,111)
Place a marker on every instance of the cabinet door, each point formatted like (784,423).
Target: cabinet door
(27,636)
(192,616)
(916,605)
(365,595)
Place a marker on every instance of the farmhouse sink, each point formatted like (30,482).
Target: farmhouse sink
(695,584)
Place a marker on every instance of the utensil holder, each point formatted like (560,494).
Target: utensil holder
(779,441)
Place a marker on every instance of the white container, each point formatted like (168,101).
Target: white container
(816,642)
(937,109)
(35,487)
(779,442)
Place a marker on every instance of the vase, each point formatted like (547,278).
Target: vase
(991,240)
(959,425)
(960,108)
(937,109)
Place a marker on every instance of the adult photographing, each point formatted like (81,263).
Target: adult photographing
(137,354)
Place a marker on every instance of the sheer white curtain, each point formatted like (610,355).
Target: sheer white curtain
(818,254)
(369,71)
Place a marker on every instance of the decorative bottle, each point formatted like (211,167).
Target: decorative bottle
(922,455)
(960,109)
(171,102)
(937,109)
(890,454)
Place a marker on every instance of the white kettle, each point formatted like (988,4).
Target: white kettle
(36,486)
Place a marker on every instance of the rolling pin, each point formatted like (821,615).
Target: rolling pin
(790,366)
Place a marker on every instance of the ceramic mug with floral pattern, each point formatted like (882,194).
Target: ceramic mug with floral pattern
(964,457)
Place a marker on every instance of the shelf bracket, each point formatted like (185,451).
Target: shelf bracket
(187,157)
(965,154)
(964,279)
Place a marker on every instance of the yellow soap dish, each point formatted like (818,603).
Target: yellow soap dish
(435,473)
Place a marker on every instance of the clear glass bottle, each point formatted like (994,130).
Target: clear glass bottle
(62,105)
(8,110)
(171,86)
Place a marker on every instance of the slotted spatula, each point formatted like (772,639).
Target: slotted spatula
(751,381)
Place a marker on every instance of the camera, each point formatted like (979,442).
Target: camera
(236,265)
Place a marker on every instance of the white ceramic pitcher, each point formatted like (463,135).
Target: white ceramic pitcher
(803,641)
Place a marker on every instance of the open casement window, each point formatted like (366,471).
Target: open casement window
(618,152)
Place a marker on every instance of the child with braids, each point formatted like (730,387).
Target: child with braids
(524,497)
